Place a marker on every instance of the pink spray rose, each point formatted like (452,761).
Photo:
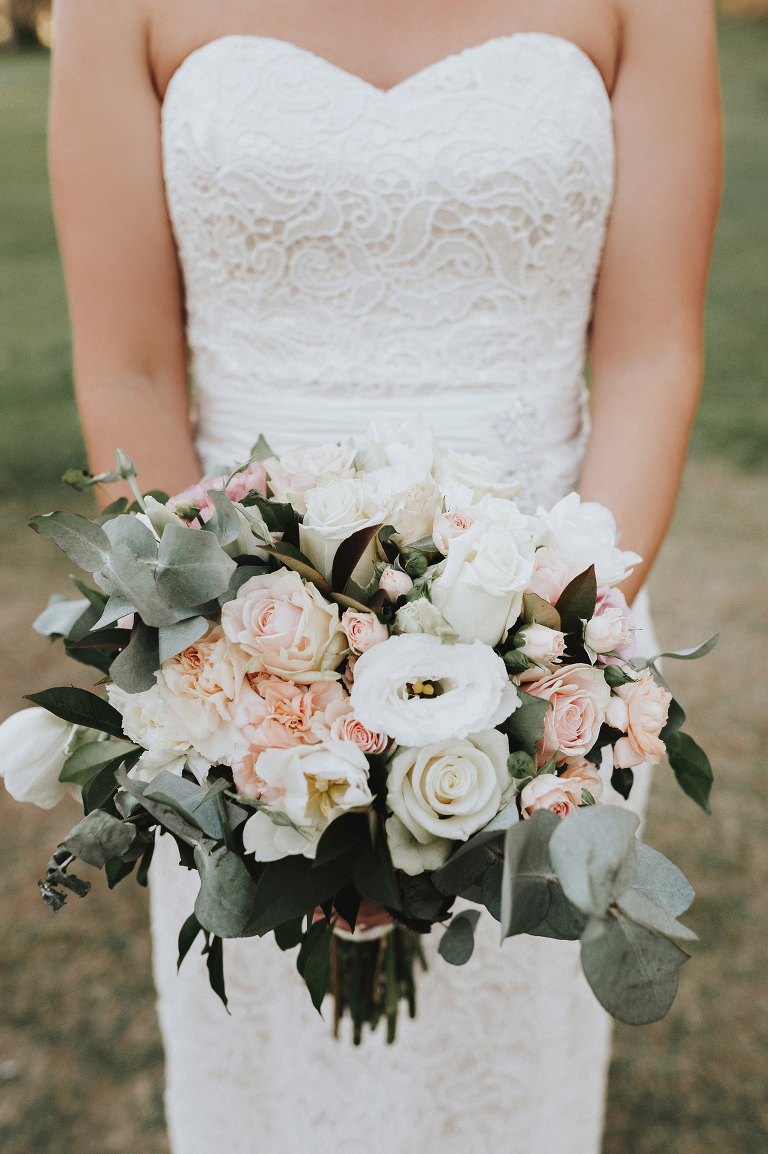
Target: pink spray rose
(254,477)
(551,573)
(346,727)
(547,792)
(363,630)
(540,643)
(640,711)
(580,698)
(609,598)
(395,583)
(446,526)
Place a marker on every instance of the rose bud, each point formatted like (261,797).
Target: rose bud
(395,583)
(609,631)
(540,643)
(449,525)
(547,791)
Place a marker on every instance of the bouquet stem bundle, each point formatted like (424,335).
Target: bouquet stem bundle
(370,979)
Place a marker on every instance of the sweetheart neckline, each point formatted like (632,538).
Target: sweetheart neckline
(373,88)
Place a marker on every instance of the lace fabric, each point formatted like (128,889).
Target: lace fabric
(350,254)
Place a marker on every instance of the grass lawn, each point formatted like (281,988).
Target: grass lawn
(76,1013)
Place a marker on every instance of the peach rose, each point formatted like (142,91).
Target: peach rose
(583,775)
(346,727)
(640,710)
(551,573)
(580,698)
(285,627)
(363,630)
(254,477)
(281,714)
(547,792)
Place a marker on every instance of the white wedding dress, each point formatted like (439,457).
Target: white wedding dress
(351,254)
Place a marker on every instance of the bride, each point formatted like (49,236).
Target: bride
(335,211)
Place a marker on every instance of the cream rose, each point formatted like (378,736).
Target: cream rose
(398,455)
(293,474)
(363,630)
(477,473)
(540,643)
(335,511)
(149,721)
(585,533)
(411,512)
(640,710)
(34,744)
(448,790)
(421,616)
(317,784)
(285,627)
(580,697)
(395,583)
(420,691)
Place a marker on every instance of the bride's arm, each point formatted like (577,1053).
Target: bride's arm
(117,245)
(646,351)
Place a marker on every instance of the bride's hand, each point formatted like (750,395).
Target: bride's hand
(370,915)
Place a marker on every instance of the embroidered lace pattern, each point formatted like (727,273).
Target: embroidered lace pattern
(351,254)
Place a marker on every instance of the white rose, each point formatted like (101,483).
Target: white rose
(398,455)
(470,689)
(34,744)
(412,512)
(478,473)
(409,854)
(540,643)
(585,533)
(450,789)
(335,511)
(395,583)
(480,590)
(608,631)
(319,782)
(421,616)
(301,469)
(150,722)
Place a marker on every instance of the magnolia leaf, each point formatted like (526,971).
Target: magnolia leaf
(101,639)
(537,610)
(526,725)
(290,888)
(348,555)
(135,666)
(276,515)
(632,970)
(59,616)
(577,602)
(293,558)
(135,580)
(113,510)
(662,881)
(80,707)
(192,567)
(173,639)
(691,767)
(99,837)
(458,941)
(350,603)
(315,961)
(227,891)
(130,531)
(187,935)
(85,543)
(525,892)
(645,911)
(225,524)
(593,852)
(103,786)
(89,759)
(421,900)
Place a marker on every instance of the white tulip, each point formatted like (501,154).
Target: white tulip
(34,744)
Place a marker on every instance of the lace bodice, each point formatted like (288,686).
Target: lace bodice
(345,248)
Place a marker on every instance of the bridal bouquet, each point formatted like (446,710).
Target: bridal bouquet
(335,678)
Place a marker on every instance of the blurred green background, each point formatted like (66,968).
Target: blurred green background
(80,1057)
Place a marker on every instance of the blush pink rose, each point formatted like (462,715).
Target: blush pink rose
(608,598)
(346,727)
(546,792)
(640,711)
(582,775)
(580,697)
(254,477)
(395,583)
(446,526)
(363,630)
(281,714)
(551,573)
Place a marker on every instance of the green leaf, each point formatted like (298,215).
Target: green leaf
(525,890)
(142,873)
(594,855)
(691,767)
(261,450)
(116,508)
(109,639)
(662,881)
(276,515)
(196,803)
(214,952)
(615,676)
(80,707)
(174,639)
(130,531)
(632,970)
(490,889)
(84,543)
(99,837)
(59,616)
(117,606)
(288,935)
(516,661)
(521,764)
(81,479)
(89,759)
(469,862)
(293,558)
(192,567)
(622,781)
(187,935)
(134,668)
(103,785)
(116,869)
(348,555)
(687,654)
(675,720)
(458,941)
(373,873)
(169,815)
(225,523)
(526,725)
(343,835)
(563,920)
(290,888)
(135,580)
(577,602)
(416,565)
(227,891)
(316,968)
(646,912)
(537,610)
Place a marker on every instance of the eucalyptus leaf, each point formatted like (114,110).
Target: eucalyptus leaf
(135,666)
(632,970)
(225,524)
(662,881)
(80,707)
(526,725)
(458,942)
(225,902)
(116,607)
(691,767)
(84,543)
(59,616)
(594,854)
(198,803)
(116,869)
(261,450)
(563,920)
(687,654)
(173,639)
(288,935)
(136,582)
(167,815)
(241,574)
(491,888)
(130,531)
(646,912)
(525,891)
(89,759)
(99,837)
(192,567)
(349,554)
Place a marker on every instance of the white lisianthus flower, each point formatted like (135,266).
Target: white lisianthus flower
(488,567)
(477,473)
(448,790)
(409,854)
(34,744)
(421,616)
(420,691)
(585,532)
(318,783)
(149,721)
(293,474)
(335,511)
